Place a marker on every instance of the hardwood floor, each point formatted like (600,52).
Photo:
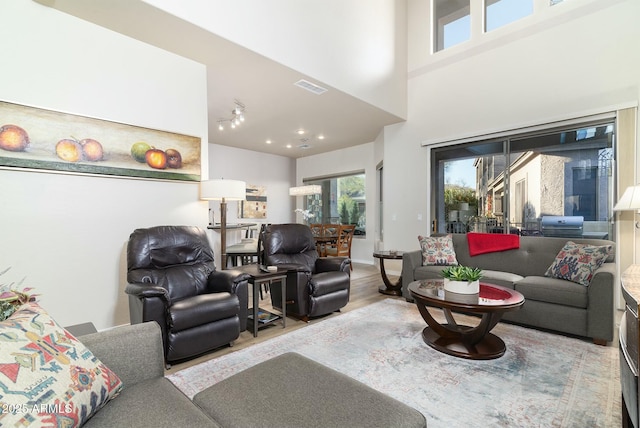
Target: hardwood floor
(365,281)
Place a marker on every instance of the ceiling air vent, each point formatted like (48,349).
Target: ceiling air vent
(311,87)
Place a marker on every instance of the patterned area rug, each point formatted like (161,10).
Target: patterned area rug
(543,380)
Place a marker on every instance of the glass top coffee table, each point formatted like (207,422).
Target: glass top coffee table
(477,342)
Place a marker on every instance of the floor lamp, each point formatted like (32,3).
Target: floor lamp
(223,190)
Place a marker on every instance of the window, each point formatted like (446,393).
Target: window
(502,12)
(342,201)
(518,179)
(452,22)
(456,21)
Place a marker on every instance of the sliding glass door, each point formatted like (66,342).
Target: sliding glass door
(558,181)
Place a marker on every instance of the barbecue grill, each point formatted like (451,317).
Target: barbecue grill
(562,226)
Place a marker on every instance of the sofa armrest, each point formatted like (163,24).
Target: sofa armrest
(134,352)
(600,311)
(410,261)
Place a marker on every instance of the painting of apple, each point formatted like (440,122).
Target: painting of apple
(174,158)
(13,138)
(139,151)
(38,139)
(69,150)
(91,150)
(156,158)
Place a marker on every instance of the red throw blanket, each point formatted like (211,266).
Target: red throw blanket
(481,243)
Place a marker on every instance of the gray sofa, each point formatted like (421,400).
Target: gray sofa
(550,303)
(306,394)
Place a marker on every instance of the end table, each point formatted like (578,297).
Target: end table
(257,278)
(390,288)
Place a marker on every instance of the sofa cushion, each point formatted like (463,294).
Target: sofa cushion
(151,403)
(552,290)
(504,279)
(47,376)
(578,262)
(437,250)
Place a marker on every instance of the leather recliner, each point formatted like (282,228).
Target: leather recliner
(172,280)
(315,285)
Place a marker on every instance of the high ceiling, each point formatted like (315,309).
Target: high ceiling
(276,109)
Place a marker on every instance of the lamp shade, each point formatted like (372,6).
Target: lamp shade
(229,190)
(313,189)
(630,200)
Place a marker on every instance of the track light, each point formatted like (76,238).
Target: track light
(237,116)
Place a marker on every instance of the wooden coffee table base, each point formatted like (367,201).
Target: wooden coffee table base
(490,347)
(475,343)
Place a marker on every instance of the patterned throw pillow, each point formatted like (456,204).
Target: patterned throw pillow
(578,262)
(437,250)
(47,377)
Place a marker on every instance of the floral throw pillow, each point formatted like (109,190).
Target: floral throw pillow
(578,262)
(47,377)
(437,250)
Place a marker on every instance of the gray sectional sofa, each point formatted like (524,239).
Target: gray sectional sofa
(305,393)
(550,303)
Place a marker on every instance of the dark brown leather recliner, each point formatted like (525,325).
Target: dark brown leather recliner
(315,285)
(172,280)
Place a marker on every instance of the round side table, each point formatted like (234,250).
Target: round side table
(389,288)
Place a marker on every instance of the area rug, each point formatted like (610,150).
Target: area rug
(543,380)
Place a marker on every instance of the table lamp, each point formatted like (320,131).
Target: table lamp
(223,190)
(630,200)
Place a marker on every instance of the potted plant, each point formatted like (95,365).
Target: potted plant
(11,299)
(462,279)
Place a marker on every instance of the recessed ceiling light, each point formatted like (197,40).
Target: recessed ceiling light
(268,141)
(300,131)
(320,137)
(288,146)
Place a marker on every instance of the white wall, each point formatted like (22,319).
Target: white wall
(357,46)
(358,158)
(572,64)
(66,234)
(276,173)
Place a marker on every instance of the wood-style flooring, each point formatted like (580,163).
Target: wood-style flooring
(365,281)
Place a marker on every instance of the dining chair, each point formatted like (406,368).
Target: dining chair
(317,230)
(342,247)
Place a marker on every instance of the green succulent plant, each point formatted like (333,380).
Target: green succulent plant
(461,273)
(11,299)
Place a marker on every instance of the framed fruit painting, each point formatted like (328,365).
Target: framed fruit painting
(40,139)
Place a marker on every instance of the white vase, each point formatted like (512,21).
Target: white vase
(462,287)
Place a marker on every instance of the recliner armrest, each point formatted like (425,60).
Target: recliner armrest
(329,264)
(294,267)
(226,280)
(145,290)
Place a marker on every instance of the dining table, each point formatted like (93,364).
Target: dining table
(323,240)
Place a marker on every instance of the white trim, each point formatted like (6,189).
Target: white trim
(531,127)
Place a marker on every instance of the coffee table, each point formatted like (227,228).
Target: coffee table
(476,343)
